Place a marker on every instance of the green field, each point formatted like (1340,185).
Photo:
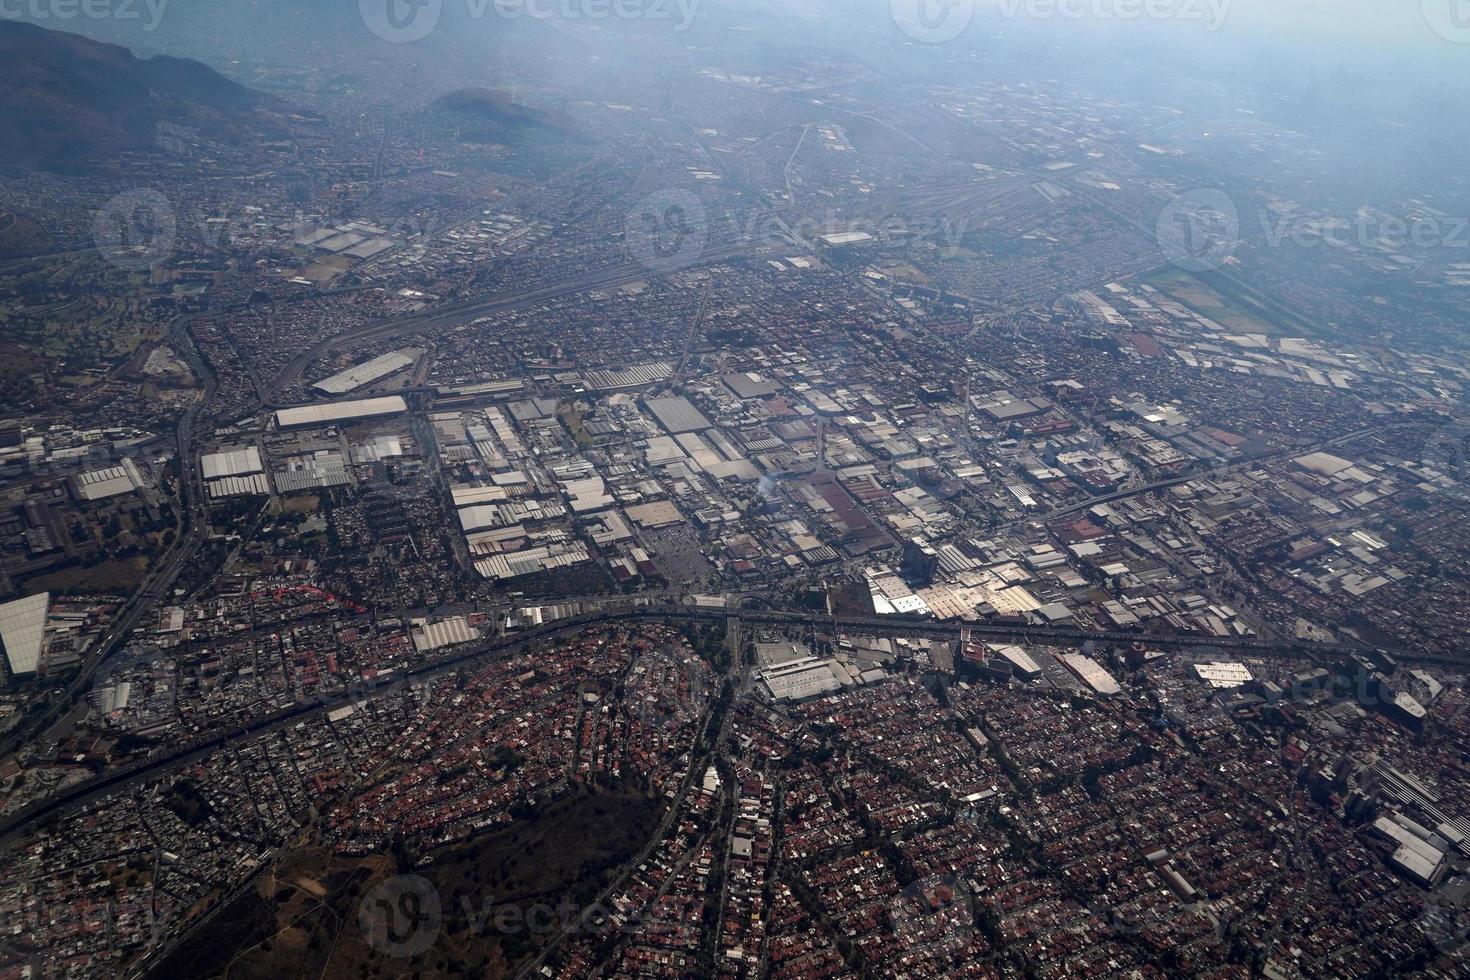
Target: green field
(77,312)
(1185,288)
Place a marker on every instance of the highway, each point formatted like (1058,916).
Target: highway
(194,525)
(182,755)
(1205,473)
(192,531)
(457,313)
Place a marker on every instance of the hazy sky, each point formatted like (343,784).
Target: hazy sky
(1309,29)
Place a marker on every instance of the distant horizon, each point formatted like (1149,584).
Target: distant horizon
(741,489)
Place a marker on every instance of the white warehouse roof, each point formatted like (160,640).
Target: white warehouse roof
(355,377)
(450,632)
(23,632)
(1222,675)
(113,481)
(797,680)
(331,413)
(1091,673)
(845,238)
(234,461)
(1018,658)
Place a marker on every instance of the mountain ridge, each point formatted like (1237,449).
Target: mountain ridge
(507,121)
(70,101)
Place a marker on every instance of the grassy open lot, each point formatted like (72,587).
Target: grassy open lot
(1231,303)
(115,576)
(72,314)
(565,849)
(1199,297)
(305,504)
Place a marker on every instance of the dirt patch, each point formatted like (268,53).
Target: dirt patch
(303,917)
(121,575)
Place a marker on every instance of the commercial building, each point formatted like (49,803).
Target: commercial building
(1416,854)
(1222,675)
(775,655)
(361,375)
(807,677)
(920,562)
(633,376)
(842,238)
(658,514)
(450,632)
(677,414)
(232,461)
(1005,407)
(749,384)
(252,485)
(1091,673)
(315,472)
(532,560)
(1018,660)
(23,632)
(337,413)
(1402,707)
(103,484)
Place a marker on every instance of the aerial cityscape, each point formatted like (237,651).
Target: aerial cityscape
(734,488)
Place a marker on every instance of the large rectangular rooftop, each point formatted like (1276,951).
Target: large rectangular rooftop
(334,413)
(677,414)
(1091,673)
(112,481)
(23,632)
(359,375)
(231,461)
